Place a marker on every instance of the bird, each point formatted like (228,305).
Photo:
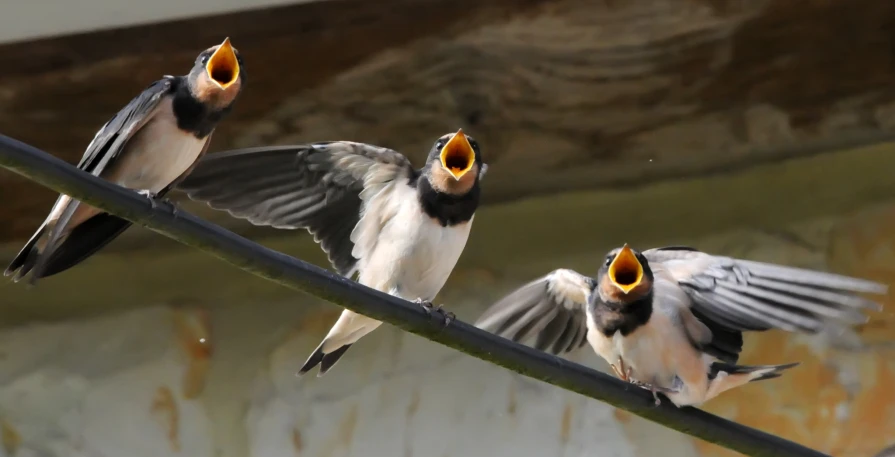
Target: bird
(398,229)
(148,146)
(671,319)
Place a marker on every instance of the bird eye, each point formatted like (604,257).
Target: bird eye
(440,144)
(608,260)
(239,59)
(474,144)
(204,59)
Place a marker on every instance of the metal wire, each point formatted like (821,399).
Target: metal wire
(302,276)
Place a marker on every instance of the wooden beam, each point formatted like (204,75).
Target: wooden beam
(563,94)
(55,93)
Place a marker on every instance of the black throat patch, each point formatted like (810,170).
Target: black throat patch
(617,317)
(193,116)
(447,209)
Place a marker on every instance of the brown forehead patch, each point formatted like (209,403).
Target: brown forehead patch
(209,93)
(608,290)
(443,182)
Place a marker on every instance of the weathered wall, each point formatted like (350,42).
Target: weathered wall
(135,385)
(141,382)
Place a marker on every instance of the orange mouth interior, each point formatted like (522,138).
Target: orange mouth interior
(457,156)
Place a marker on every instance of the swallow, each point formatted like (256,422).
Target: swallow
(671,319)
(397,229)
(148,146)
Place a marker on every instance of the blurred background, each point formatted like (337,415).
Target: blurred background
(761,129)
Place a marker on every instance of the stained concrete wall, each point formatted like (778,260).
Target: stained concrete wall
(153,349)
(215,377)
(138,384)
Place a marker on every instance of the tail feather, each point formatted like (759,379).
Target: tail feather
(756,372)
(83,241)
(54,238)
(325,360)
(26,258)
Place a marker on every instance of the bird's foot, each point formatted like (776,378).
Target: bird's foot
(617,372)
(621,371)
(429,308)
(153,198)
(155,201)
(653,389)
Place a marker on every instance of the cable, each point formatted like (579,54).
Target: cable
(302,276)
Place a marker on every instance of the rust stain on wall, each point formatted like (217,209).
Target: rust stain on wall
(348,425)
(872,419)
(297,443)
(414,405)
(194,333)
(565,428)
(343,435)
(864,245)
(164,409)
(809,404)
(819,414)
(623,417)
(10,437)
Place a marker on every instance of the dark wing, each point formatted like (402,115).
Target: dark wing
(732,295)
(551,308)
(111,138)
(316,187)
(97,232)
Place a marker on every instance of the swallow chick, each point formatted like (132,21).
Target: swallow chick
(671,319)
(400,230)
(148,146)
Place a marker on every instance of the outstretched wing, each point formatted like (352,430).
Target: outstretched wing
(553,308)
(315,186)
(732,295)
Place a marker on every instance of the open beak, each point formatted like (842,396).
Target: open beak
(457,155)
(625,271)
(223,67)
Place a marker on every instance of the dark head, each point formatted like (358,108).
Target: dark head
(625,276)
(454,164)
(217,76)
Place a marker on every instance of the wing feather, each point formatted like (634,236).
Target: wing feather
(552,309)
(109,141)
(319,187)
(732,295)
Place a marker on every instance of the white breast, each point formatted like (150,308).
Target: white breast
(156,155)
(413,255)
(655,352)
